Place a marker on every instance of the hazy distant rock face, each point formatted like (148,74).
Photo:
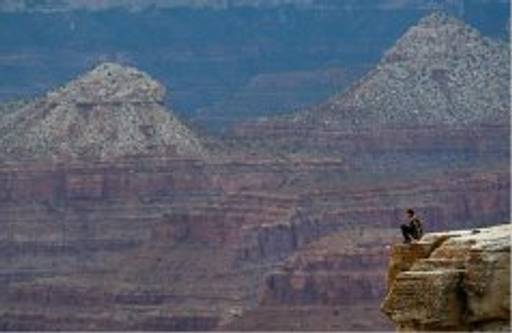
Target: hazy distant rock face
(452,281)
(440,72)
(206,68)
(63,5)
(66,5)
(281,92)
(110,112)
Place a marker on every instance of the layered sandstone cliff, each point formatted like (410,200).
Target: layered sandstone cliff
(332,284)
(451,281)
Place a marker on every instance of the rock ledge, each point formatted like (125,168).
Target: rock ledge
(451,281)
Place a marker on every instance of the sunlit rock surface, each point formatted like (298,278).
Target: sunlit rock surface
(451,281)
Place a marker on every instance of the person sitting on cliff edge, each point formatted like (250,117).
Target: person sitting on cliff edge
(414,229)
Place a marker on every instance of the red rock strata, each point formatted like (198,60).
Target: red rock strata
(195,240)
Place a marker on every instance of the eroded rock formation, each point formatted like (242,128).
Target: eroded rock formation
(429,94)
(110,112)
(331,284)
(451,281)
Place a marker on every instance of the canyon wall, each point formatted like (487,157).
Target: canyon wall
(135,235)
(331,284)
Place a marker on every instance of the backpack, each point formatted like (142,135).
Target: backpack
(418,228)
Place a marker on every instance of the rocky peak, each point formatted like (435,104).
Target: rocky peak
(111,83)
(438,18)
(438,37)
(109,112)
(440,72)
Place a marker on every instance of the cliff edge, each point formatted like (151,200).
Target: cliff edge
(458,280)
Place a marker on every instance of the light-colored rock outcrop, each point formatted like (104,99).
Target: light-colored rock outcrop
(443,88)
(451,281)
(441,71)
(109,112)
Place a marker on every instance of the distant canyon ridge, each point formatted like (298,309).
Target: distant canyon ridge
(222,61)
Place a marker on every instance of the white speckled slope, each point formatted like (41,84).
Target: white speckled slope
(109,112)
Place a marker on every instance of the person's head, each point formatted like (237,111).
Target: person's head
(409,212)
